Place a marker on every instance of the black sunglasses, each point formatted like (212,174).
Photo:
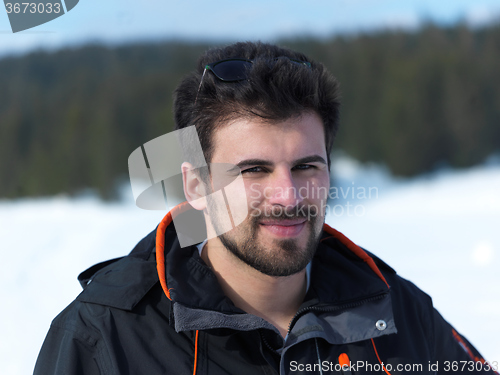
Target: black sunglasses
(234,70)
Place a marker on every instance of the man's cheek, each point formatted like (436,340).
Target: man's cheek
(233,199)
(255,210)
(254,191)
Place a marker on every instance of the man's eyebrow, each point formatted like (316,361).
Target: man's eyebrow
(250,163)
(266,163)
(310,159)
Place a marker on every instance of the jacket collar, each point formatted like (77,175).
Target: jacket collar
(343,278)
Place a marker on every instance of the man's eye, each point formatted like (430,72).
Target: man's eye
(253,170)
(304,166)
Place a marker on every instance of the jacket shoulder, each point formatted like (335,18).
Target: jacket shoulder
(123,282)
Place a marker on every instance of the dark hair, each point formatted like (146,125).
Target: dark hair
(276,89)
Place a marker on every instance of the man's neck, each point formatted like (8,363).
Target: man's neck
(275,299)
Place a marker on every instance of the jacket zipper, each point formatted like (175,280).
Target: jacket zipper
(263,336)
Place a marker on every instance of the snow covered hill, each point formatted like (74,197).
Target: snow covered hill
(440,231)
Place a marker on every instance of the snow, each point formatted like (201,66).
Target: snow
(45,245)
(440,231)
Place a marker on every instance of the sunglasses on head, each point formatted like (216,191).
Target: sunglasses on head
(234,70)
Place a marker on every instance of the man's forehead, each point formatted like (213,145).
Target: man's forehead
(294,138)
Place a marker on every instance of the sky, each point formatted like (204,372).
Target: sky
(124,21)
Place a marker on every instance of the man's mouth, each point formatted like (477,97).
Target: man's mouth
(285,227)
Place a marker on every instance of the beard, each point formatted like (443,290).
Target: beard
(282,257)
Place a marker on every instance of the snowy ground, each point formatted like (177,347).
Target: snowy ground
(439,231)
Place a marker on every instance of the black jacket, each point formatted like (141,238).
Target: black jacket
(160,310)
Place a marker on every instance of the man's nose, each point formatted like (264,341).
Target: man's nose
(282,189)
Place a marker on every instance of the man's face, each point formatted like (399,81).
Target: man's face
(286,179)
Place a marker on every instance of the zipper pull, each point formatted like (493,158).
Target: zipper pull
(345,364)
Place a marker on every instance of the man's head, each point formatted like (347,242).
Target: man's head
(276,125)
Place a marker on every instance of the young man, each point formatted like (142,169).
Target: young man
(278,292)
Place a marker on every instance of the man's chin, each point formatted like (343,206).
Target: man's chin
(277,258)
(282,273)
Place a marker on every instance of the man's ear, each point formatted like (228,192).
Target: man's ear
(194,188)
